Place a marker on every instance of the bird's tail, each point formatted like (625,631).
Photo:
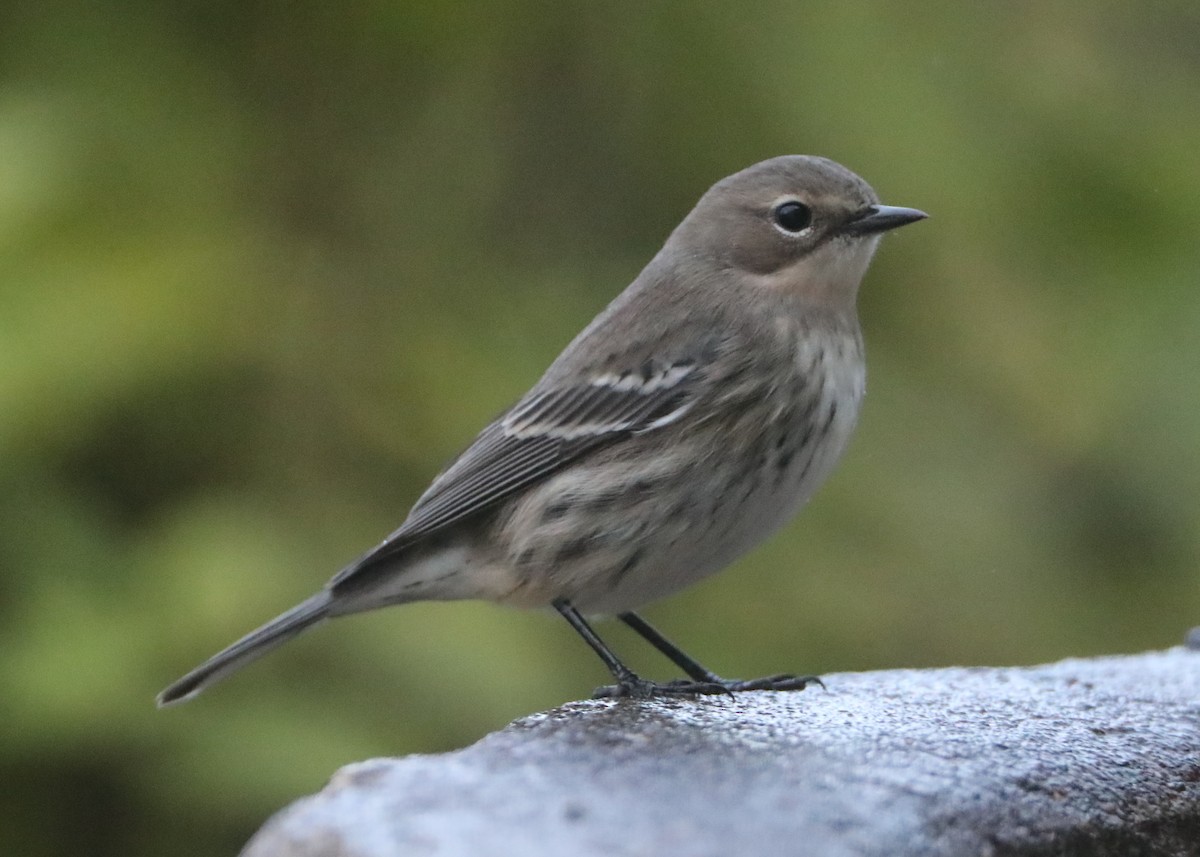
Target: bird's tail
(255,644)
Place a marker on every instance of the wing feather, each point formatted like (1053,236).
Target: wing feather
(541,434)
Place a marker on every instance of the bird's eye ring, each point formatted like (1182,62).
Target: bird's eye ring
(792,217)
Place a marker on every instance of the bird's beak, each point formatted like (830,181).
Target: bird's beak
(881,218)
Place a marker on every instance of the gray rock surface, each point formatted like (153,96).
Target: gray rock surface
(1082,757)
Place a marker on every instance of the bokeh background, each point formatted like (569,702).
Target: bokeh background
(265,266)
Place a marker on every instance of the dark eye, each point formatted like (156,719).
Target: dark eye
(793,216)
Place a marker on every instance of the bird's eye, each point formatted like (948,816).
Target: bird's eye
(793,217)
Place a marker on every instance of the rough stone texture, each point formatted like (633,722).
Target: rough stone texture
(1083,757)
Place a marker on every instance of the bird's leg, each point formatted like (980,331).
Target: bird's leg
(704,677)
(628,683)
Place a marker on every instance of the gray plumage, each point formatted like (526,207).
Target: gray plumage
(684,425)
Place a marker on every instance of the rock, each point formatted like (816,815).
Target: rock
(1082,757)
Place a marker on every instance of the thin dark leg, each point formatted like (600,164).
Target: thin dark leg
(673,652)
(622,673)
(628,683)
(704,676)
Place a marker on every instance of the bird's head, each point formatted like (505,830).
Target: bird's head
(800,224)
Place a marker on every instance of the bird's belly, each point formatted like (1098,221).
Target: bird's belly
(749,520)
(622,531)
(740,515)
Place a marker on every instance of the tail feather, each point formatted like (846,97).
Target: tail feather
(255,644)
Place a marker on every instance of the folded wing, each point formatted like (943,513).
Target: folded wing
(542,433)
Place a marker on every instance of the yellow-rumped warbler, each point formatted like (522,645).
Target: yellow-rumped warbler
(690,420)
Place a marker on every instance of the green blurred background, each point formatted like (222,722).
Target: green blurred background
(265,266)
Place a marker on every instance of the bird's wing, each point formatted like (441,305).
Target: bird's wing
(542,433)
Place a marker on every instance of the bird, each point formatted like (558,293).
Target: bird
(689,421)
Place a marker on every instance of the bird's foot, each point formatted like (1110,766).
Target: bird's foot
(783,681)
(635,687)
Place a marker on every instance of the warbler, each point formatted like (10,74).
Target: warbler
(689,421)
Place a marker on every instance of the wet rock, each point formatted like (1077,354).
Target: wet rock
(1082,757)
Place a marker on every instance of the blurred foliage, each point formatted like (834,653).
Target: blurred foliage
(265,266)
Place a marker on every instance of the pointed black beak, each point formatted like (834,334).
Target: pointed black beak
(881,218)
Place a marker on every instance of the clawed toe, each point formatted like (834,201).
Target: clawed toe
(783,681)
(694,688)
(639,688)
